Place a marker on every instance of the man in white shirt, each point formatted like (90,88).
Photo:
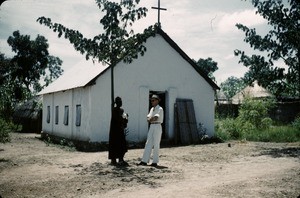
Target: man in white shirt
(155,118)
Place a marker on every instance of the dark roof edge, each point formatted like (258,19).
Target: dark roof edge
(187,58)
(93,81)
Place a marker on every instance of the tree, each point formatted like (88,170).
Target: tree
(232,86)
(281,42)
(6,89)
(32,62)
(117,42)
(208,66)
(4,64)
(22,75)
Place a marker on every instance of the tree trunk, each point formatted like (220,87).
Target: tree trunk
(112,87)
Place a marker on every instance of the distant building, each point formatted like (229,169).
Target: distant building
(29,115)
(254,91)
(220,98)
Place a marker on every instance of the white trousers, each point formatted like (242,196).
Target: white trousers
(153,141)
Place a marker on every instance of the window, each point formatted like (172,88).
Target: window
(48,114)
(78,115)
(66,115)
(56,114)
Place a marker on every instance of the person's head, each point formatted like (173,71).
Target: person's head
(118,101)
(154,100)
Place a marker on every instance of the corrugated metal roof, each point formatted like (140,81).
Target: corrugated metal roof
(78,76)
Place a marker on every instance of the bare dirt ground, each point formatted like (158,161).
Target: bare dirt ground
(31,168)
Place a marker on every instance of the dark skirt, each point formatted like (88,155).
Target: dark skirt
(117,139)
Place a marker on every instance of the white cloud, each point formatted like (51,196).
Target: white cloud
(230,56)
(247,17)
(191,24)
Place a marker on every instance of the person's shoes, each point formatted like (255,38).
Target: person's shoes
(113,162)
(142,164)
(154,164)
(123,163)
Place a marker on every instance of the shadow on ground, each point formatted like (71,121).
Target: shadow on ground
(283,152)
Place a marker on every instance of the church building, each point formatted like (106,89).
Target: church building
(78,104)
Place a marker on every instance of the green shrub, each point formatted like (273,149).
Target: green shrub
(266,123)
(255,112)
(223,135)
(285,133)
(227,128)
(5,129)
(251,124)
(296,123)
(245,128)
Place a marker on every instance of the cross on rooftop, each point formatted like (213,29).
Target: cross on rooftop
(158,9)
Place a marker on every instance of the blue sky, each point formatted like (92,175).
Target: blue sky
(202,28)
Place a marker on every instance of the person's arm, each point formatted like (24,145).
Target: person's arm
(149,115)
(154,118)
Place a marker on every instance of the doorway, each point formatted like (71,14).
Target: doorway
(162,103)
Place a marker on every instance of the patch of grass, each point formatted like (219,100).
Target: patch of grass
(224,135)
(253,124)
(226,130)
(286,133)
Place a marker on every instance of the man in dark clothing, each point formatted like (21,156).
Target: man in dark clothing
(117,141)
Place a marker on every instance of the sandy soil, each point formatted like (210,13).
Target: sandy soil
(31,168)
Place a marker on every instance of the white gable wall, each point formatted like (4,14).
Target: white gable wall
(160,69)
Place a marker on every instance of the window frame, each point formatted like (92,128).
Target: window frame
(66,115)
(78,115)
(48,118)
(57,114)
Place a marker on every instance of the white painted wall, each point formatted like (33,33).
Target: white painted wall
(101,108)
(169,72)
(47,101)
(163,69)
(68,98)
(160,69)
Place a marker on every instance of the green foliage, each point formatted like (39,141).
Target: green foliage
(232,86)
(228,129)
(253,117)
(27,72)
(266,123)
(32,62)
(296,123)
(208,66)
(118,42)
(279,133)
(222,134)
(281,42)
(5,129)
(275,134)
(255,112)
(253,124)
